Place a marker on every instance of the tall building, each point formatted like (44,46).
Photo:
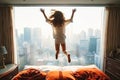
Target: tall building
(27,34)
(98,46)
(92,44)
(83,47)
(97,33)
(84,44)
(36,36)
(90,32)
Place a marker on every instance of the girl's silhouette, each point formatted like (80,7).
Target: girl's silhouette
(58,22)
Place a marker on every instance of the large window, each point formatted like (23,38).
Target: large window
(35,43)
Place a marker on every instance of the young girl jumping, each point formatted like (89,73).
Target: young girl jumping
(58,22)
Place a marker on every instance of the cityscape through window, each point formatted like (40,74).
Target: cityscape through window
(34,42)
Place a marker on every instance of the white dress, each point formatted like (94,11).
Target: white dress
(59,32)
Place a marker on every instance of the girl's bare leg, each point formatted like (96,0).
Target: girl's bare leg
(57,47)
(65,52)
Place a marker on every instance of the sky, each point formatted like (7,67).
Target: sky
(84,17)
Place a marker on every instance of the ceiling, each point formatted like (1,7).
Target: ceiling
(59,2)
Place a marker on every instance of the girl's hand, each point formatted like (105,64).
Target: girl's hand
(74,10)
(42,10)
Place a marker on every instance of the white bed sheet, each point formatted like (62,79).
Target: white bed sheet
(47,68)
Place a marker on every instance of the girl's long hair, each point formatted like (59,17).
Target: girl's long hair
(57,19)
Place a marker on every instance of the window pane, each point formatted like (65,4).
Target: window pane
(35,43)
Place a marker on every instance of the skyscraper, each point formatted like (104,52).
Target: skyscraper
(27,34)
(36,36)
(90,32)
(92,44)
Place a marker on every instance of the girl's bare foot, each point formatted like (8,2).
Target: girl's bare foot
(56,55)
(69,59)
(68,56)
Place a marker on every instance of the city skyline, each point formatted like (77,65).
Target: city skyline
(83,47)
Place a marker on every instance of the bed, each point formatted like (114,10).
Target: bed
(46,72)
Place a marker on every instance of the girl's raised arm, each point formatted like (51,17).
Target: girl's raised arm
(42,10)
(73,11)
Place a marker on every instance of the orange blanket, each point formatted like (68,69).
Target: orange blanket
(30,74)
(84,73)
(90,74)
